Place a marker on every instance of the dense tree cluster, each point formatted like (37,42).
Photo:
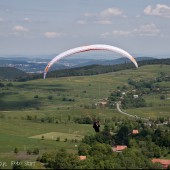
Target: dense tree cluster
(83,120)
(127,100)
(133,96)
(130,101)
(152,141)
(150,85)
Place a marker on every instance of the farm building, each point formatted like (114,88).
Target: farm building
(119,148)
(82,157)
(134,132)
(164,162)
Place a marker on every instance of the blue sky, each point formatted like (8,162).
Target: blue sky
(42,27)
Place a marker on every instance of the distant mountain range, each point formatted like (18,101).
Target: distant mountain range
(68,69)
(37,65)
(110,62)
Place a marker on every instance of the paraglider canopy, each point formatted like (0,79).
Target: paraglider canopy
(88,48)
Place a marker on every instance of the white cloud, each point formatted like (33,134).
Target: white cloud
(118,33)
(143,30)
(104,35)
(100,17)
(27,19)
(104,22)
(52,34)
(111,12)
(147,30)
(159,10)
(103,17)
(121,33)
(81,22)
(20,28)
(88,14)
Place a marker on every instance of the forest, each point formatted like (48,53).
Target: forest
(152,141)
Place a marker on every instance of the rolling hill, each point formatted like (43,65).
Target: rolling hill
(11,73)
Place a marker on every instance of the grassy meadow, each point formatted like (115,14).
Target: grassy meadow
(24,104)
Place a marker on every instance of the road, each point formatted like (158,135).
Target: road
(134,116)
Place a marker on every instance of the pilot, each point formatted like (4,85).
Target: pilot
(96,126)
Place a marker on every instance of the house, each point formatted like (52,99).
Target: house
(134,132)
(119,148)
(102,104)
(123,93)
(135,96)
(164,162)
(82,157)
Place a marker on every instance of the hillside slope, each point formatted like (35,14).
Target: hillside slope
(11,73)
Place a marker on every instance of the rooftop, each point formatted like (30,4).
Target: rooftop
(163,162)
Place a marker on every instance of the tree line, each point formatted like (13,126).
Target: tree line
(93,69)
(151,142)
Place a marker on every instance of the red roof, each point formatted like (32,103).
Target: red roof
(135,132)
(163,162)
(119,148)
(82,157)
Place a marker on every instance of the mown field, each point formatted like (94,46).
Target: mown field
(25,105)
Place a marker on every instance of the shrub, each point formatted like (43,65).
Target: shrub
(16,150)
(36,96)
(29,151)
(50,97)
(58,139)
(35,151)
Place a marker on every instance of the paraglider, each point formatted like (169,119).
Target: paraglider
(89,48)
(96,126)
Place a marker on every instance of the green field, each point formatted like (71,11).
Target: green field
(63,99)
(63,136)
